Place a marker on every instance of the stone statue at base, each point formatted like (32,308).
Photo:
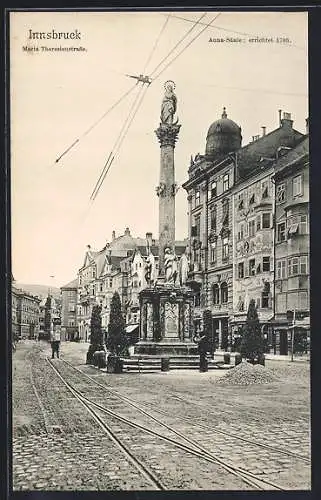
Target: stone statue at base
(150,269)
(183,269)
(170,266)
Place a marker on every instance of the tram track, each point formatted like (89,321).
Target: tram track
(154,408)
(190,446)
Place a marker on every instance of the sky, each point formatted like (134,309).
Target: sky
(57,96)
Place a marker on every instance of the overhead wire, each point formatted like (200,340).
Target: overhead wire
(178,43)
(142,95)
(96,123)
(156,43)
(112,155)
(118,141)
(233,31)
(189,43)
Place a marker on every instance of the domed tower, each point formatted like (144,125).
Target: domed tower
(223,137)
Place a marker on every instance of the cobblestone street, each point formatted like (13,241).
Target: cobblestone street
(57,445)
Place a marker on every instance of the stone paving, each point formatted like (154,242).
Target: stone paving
(72,453)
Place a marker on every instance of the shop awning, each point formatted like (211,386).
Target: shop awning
(131,328)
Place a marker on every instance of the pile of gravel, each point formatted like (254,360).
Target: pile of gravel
(246,374)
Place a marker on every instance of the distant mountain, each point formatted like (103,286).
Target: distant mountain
(40,290)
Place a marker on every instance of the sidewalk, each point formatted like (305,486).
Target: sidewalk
(279,357)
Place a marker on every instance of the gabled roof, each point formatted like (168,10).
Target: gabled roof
(71,284)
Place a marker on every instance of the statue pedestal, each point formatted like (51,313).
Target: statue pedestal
(166,321)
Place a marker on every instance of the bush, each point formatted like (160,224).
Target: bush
(252,344)
(116,340)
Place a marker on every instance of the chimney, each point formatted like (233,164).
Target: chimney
(263,131)
(127,232)
(286,120)
(149,240)
(280,117)
(307,125)
(113,235)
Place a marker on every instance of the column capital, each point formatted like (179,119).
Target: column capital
(167,134)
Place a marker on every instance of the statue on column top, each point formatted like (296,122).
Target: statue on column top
(169,104)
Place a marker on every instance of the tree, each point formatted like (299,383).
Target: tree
(96,334)
(116,339)
(252,343)
(48,316)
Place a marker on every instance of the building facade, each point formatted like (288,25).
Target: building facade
(118,267)
(292,275)
(69,296)
(25,314)
(230,195)
(253,247)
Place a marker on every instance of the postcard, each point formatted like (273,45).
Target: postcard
(160,225)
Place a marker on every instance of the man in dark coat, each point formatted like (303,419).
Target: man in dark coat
(202,342)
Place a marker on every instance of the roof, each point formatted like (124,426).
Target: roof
(300,152)
(71,284)
(248,157)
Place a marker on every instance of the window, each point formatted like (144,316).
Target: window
(71,322)
(258,223)
(252,267)
(197,226)
(197,198)
(266,264)
(266,221)
(225,182)
(111,282)
(224,292)
(281,232)
(94,272)
(281,269)
(101,287)
(303,224)
(213,219)
(240,201)
(280,193)
(240,234)
(252,227)
(303,264)
(241,270)
(71,308)
(266,296)
(252,199)
(213,189)
(293,266)
(297,185)
(225,248)
(213,251)
(216,294)
(265,189)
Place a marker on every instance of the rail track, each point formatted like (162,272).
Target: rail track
(123,403)
(141,407)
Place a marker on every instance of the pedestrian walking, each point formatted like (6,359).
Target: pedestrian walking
(55,342)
